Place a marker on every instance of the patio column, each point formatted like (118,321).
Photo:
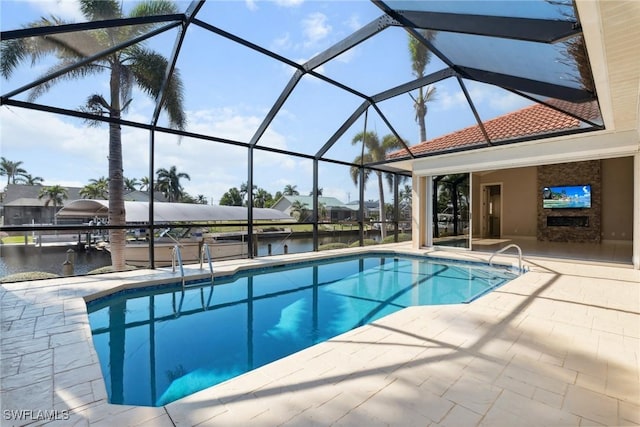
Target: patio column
(418,211)
(636,211)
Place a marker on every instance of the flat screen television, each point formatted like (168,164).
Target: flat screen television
(567,197)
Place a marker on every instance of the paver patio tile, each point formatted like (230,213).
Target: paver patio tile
(34,396)
(440,381)
(548,398)
(20,328)
(132,416)
(11,313)
(514,409)
(535,377)
(53,308)
(195,409)
(74,397)
(161,421)
(591,405)
(10,366)
(30,312)
(65,338)
(629,413)
(406,397)
(473,394)
(459,416)
(77,376)
(73,355)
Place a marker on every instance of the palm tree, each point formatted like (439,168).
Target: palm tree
(169,183)
(376,151)
(290,190)
(231,198)
(11,169)
(56,194)
(322,208)
(405,201)
(144,183)
(96,189)
(93,191)
(244,190)
(420,58)
(132,65)
(262,198)
(28,179)
(131,184)
(298,208)
(201,199)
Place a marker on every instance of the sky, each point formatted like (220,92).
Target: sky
(228,90)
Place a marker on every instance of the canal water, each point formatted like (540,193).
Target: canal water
(19,259)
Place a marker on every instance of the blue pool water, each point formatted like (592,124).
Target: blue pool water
(159,344)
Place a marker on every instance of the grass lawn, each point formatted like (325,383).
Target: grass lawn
(16,239)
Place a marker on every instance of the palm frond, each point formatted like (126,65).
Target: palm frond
(15,51)
(76,73)
(96,105)
(98,10)
(126,87)
(148,68)
(390,142)
(12,52)
(151,8)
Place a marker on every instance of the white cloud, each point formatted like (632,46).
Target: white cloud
(315,28)
(353,22)
(68,10)
(251,5)
(67,152)
(288,3)
(489,100)
(282,44)
(348,56)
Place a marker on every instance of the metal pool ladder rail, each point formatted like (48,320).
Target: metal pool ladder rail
(513,245)
(176,257)
(206,252)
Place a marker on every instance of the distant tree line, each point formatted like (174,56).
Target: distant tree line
(261,198)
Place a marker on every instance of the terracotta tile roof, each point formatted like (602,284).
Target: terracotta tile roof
(537,119)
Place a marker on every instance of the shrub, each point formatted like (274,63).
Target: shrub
(401,238)
(329,246)
(109,269)
(367,242)
(28,275)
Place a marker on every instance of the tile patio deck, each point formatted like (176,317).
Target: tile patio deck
(557,346)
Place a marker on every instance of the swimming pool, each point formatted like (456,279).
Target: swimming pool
(159,344)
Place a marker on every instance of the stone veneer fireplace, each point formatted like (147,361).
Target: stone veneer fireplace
(570,225)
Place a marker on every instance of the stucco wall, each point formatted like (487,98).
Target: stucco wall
(617,199)
(519,197)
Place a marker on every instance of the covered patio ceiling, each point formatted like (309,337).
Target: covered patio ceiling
(533,50)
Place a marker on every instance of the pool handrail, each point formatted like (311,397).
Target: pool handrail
(205,251)
(176,257)
(512,245)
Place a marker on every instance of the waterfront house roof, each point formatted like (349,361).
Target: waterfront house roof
(138,212)
(26,202)
(22,195)
(27,195)
(329,202)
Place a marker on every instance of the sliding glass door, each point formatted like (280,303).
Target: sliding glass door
(451,211)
